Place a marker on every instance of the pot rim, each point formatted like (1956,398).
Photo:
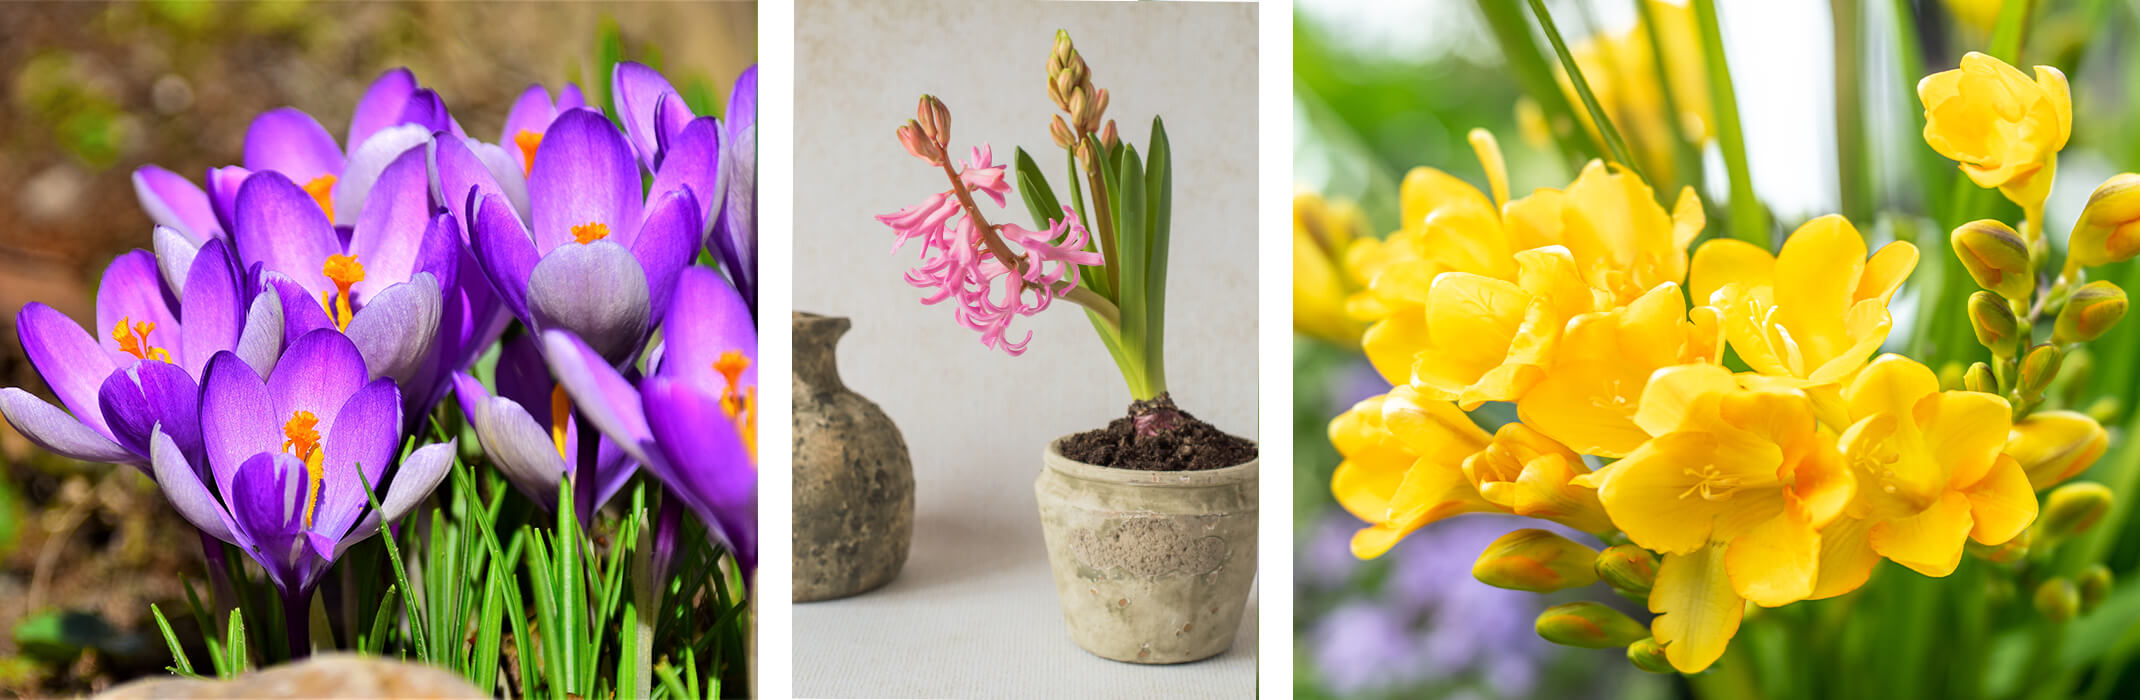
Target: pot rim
(1054,460)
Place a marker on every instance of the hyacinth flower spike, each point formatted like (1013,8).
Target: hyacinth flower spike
(590,231)
(535,448)
(677,421)
(289,459)
(143,370)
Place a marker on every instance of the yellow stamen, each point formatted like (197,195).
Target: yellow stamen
(740,404)
(1713,485)
(560,412)
(133,339)
(302,438)
(590,232)
(322,190)
(344,271)
(528,141)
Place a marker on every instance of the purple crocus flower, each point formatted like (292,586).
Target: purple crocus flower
(675,422)
(288,459)
(535,448)
(591,231)
(530,118)
(716,159)
(146,369)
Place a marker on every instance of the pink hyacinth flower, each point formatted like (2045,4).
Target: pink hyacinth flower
(957,266)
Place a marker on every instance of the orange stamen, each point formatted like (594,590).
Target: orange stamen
(344,271)
(590,232)
(302,438)
(133,339)
(322,190)
(741,405)
(528,141)
(560,412)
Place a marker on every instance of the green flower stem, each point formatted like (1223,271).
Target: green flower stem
(1513,34)
(1685,152)
(1749,222)
(1078,295)
(1852,177)
(1613,143)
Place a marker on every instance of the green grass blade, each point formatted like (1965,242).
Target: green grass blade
(482,667)
(542,574)
(571,583)
(1749,221)
(1531,68)
(401,575)
(200,619)
(375,641)
(236,635)
(181,665)
(1158,227)
(1613,143)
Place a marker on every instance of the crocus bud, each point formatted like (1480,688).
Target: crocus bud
(1628,569)
(1995,256)
(1980,378)
(2073,509)
(2109,228)
(1589,625)
(919,144)
(2058,599)
(1537,561)
(1648,655)
(2092,309)
(2053,446)
(1994,322)
(2039,367)
(1061,132)
(2094,583)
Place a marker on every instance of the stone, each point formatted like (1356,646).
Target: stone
(325,675)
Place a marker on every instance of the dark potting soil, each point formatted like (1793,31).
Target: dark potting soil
(1172,441)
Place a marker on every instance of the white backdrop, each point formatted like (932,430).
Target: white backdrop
(974,612)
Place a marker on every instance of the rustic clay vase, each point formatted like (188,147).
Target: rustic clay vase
(1151,567)
(854,485)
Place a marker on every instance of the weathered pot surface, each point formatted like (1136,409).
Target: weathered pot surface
(1150,566)
(854,484)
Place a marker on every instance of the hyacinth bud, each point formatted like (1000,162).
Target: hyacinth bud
(1980,378)
(935,120)
(1628,569)
(2094,583)
(2058,599)
(2053,446)
(2092,309)
(1537,561)
(919,144)
(2039,367)
(1099,104)
(1994,322)
(1589,625)
(2109,228)
(1995,256)
(1108,139)
(1081,112)
(2073,509)
(1061,132)
(1648,655)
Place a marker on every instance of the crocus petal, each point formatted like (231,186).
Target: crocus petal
(212,309)
(522,449)
(428,110)
(418,476)
(301,311)
(599,393)
(172,200)
(509,176)
(465,179)
(671,115)
(707,320)
(223,185)
(318,373)
(742,112)
(584,175)
(174,257)
(696,164)
(150,392)
(267,503)
(68,359)
(395,332)
(531,114)
(506,253)
(292,143)
(282,227)
(238,417)
(707,460)
(735,237)
(52,429)
(613,322)
(181,484)
(666,244)
(367,434)
(261,343)
(382,105)
(637,90)
(368,164)
(132,290)
(397,210)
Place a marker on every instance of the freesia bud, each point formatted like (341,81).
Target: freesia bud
(1951,374)
(1590,625)
(1994,322)
(1537,561)
(2092,309)
(1995,256)
(2039,367)
(1628,569)
(2109,228)
(1061,132)
(2074,508)
(2094,583)
(1980,378)
(2058,599)
(2053,446)
(2004,553)
(1648,655)
(2107,409)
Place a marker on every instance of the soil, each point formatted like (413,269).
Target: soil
(1174,441)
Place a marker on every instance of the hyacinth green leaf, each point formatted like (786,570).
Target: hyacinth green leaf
(1133,240)
(1159,212)
(1033,187)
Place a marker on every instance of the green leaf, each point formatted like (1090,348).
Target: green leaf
(1159,213)
(1033,188)
(181,665)
(1749,221)
(236,635)
(373,642)
(1530,67)
(1127,193)
(401,574)
(1598,116)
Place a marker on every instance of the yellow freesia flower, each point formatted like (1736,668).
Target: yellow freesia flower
(1587,396)
(2003,128)
(1733,491)
(1622,72)
(1816,311)
(1930,475)
(1526,473)
(1321,231)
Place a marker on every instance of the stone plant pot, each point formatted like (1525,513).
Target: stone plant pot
(854,484)
(1151,567)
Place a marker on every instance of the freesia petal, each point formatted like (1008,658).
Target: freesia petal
(1891,384)
(69,360)
(52,429)
(1698,613)
(279,225)
(1724,261)
(173,201)
(1393,343)
(396,331)
(584,175)
(613,322)
(1846,558)
(181,484)
(1970,431)
(1775,563)
(2002,505)
(291,142)
(1930,542)
(1672,391)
